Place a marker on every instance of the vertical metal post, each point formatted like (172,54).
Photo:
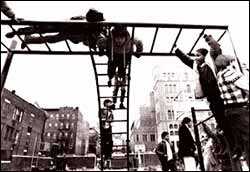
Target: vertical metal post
(33,152)
(7,64)
(197,138)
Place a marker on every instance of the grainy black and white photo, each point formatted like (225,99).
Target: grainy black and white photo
(124,86)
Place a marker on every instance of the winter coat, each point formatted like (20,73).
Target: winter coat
(186,142)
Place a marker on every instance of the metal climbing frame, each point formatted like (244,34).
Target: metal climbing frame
(156,27)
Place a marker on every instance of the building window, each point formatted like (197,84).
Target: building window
(169,115)
(67,125)
(72,124)
(9,132)
(7,101)
(61,125)
(51,116)
(50,125)
(152,137)
(29,129)
(169,76)
(62,115)
(170,126)
(57,116)
(175,126)
(54,136)
(166,88)
(17,134)
(17,115)
(60,135)
(188,88)
(171,133)
(66,134)
(68,115)
(174,88)
(176,133)
(56,125)
(170,88)
(185,76)
(137,138)
(144,137)
(172,114)
(73,116)
(48,134)
(25,151)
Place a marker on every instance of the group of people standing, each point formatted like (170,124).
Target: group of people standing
(226,88)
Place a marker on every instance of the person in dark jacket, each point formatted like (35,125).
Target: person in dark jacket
(118,46)
(166,153)
(208,84)
(187,145)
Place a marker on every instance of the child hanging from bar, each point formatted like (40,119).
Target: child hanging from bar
(76,33)
(118,46)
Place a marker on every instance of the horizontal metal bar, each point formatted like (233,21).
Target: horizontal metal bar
(128,24)
(120,133)
(84,53)
(205,120)
(119,145)
(120,109)
(101,64)
(201,110)
(106,97)
(111,85)
(119,121)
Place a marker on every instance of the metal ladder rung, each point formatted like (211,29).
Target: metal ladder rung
(120,109)
(101,64)
(102,74)
(111,85)
(119,120)
(120,133)
(119,145)
(105,74)
(106,97)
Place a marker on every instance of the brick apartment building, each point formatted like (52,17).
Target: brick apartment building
(22,126)
(67,128)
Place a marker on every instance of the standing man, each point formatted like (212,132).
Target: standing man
(187,145)
(165,152)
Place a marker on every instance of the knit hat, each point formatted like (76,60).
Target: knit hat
(94,16)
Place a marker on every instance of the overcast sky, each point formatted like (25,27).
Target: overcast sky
(55,81)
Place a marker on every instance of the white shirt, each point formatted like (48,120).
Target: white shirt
(169,151)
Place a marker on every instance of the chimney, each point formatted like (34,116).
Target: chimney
(13,91)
